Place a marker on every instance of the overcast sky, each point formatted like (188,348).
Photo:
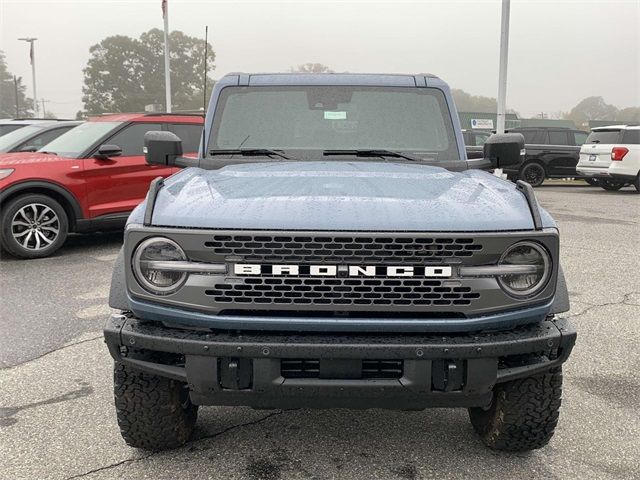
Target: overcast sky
(560,51)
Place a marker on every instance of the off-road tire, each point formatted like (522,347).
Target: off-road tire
(154,413)
(533,173)
(7,236)
(523,414)
(611,185)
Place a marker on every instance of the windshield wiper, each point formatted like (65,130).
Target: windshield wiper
(47,153)
(375,153)
(250,152)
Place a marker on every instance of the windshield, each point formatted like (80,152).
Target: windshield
(11,139)
(606,137)
(316,119)
(77,140)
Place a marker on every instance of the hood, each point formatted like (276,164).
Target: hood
(364,196)
(23,158)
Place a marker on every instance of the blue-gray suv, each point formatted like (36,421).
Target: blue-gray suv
(332,246)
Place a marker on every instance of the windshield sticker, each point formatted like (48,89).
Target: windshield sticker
(335,115)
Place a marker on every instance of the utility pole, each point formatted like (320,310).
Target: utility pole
(44,112)
(32,56)
(504,57)
(167,75)
(15,86)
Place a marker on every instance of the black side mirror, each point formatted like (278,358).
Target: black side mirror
(107,151)
(162,148)
(504,149)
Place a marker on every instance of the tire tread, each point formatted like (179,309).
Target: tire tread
(524,414)
(149,411)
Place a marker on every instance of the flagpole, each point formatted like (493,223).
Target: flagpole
(32,55)
(502,74)
(167,76)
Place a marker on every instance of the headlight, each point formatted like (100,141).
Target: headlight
(5,172)
(526,254)
(155,251)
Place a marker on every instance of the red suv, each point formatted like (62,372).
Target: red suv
(88,179)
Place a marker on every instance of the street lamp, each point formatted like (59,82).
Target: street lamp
(32,56)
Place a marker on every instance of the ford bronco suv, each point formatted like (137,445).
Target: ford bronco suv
(331,247)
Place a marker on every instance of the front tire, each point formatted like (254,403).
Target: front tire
(523,414)
(533,173)
(154,413)
(33,226)
(636,183)
(611,185)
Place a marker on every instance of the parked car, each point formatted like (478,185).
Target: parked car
(90,178)
(31,138)
(332,248)
(474,141)
(611,155)
(551,152)
(10,124)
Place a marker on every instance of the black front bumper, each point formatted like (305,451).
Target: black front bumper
(454,370)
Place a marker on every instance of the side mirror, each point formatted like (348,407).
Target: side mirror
(162,148)
(504,149)
(107,151)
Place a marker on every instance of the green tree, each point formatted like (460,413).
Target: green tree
(124,74)
(592,108)
(465,102)
(8,94)
(629,114)
(311,68)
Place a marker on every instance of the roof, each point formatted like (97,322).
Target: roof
(28,121)
(45,125)
(360,79)
(620,127)
(148,117)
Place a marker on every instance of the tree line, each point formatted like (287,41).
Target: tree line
(125,74)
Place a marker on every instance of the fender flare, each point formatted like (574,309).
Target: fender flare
(118,293)
(54,187)
(561,300)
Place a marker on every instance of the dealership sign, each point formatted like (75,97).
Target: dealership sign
(485,123)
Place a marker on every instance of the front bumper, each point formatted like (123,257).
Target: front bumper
(455,370)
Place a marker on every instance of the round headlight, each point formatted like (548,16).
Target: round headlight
(536,258)
(146,268)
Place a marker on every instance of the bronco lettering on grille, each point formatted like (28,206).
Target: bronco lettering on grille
(341,270)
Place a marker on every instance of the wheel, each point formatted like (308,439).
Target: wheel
(636,183)
(594,182)
(33,226)
(611,185)
(154,413)
(533,173)
(523,413)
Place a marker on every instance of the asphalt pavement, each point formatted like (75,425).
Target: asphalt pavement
(57,419)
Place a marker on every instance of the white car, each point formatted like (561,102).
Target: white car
(612,156)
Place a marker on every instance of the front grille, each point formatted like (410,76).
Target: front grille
(369,369)
(341,292)
(342,249)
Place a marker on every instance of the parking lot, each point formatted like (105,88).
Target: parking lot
(57,418)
